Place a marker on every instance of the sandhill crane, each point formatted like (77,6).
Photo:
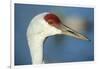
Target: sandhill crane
(44,25)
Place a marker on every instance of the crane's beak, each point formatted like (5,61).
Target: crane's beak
(68,31)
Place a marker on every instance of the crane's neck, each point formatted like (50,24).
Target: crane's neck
(36,48)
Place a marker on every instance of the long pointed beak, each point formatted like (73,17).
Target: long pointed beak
(68,31)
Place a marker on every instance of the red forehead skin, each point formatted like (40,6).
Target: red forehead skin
(55,20)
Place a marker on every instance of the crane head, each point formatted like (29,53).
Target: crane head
(48,24)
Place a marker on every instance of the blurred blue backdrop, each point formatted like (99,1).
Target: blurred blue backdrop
(58,48)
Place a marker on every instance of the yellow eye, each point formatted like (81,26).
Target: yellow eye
(50,22)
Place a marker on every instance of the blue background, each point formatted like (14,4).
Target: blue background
(58,48)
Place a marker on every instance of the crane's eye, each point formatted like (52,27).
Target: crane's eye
(50,22)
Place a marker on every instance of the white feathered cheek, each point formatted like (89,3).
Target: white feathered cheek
(50,30)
